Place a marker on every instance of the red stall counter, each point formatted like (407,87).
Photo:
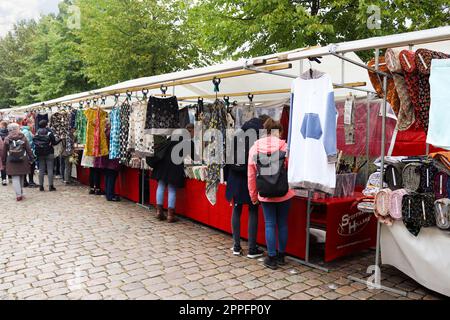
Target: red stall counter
(129,180)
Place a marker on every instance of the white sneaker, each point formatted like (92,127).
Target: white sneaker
(4,182)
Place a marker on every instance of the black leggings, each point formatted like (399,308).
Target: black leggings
(95,178)
(252,225)
(3,174)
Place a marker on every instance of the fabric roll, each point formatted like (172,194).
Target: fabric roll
(442,211)
(411,177)
(418,212)
(423,63)
(393,176)
(408,63)
(396,201)
(427,173)
(382,202)
(439,115)
(406,115)
(377,83)
(440,185)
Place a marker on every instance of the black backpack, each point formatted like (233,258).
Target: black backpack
(42,143)
(271,176)
(17,152)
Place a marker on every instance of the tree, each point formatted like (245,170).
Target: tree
(244,28)
(127,39)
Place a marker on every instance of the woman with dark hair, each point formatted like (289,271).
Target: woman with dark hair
(275,208)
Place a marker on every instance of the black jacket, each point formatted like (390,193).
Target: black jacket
(236,174)
(164,169)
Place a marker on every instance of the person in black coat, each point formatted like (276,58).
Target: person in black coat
(168,174)
(237,190)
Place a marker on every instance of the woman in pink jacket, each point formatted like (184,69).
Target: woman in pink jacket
(275,209)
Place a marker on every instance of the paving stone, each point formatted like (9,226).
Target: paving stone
(300,296)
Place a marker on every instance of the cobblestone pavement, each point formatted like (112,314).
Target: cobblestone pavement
(70,245)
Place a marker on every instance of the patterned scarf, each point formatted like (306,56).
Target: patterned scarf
(382,206)
(427,173)
(97,150)
(423,63)
(406,115)
(442,210)
(377,83)
(393,176)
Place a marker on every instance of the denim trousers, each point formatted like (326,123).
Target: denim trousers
(276,217)
(160,194)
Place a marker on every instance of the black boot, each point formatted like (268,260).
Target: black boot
(52,188)
(271,262)
(281,259)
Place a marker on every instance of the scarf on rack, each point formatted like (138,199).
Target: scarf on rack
(382,206)
(406,115)
(427,173)
(408,63)
(440,185)
(411,177)
(443,157)
(377,83)
(442,210)
(393,176)
(97,134)
(423,63)
(215,150)
(124,154)
(395,209)
(418,212)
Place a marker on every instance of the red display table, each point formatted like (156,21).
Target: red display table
(348,231)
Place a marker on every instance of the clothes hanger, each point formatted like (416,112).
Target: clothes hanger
(163,89)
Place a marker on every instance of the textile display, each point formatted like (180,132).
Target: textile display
(96,144)
(243,113)
(313,121)
(443,157)
(80,125)
(162,115)
(140,141)
(393,176)
(273,109)
(396,202)
(406,116)
(411,74)
(442,210)
(427,173)
(115,132)
(418,212)
(382,205)
(411,177)
(440,185)
(124,154)
(215,150)
(423,63)
(377,83)
(39,118)
(439,118)
(184,117)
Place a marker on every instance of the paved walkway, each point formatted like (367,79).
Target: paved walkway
(70,245)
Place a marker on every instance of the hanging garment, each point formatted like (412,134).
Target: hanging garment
(96,144)
(162,115)
(377,83)
(406,115)
(312,132)
(423,63)
(243,113)
(395,203)
(140,141)
(393,176)
(285,123)
(215,150)
(73,119)
(439,117)
(124,154)
(440,185)
(114,139)
(411,177)
(272,109)
(349,120)
(60,124)
(442,211)
(408,63)
(427,173)
(80,126)
(418,212)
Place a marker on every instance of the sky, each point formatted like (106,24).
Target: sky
(12,11)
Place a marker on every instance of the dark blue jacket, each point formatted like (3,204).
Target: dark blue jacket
(236,176)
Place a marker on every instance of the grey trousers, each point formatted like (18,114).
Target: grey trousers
(46,162)
(17,182)
(66,168)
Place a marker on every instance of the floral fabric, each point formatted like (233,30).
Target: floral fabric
(114,139)
(96,144)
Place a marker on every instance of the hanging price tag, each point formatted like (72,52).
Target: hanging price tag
(348,111)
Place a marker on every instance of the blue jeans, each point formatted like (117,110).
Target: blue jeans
(276,214)
(160,194)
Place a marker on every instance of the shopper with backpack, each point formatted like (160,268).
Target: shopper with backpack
(26,130)
(44,140)
(18,156)
(268,185)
